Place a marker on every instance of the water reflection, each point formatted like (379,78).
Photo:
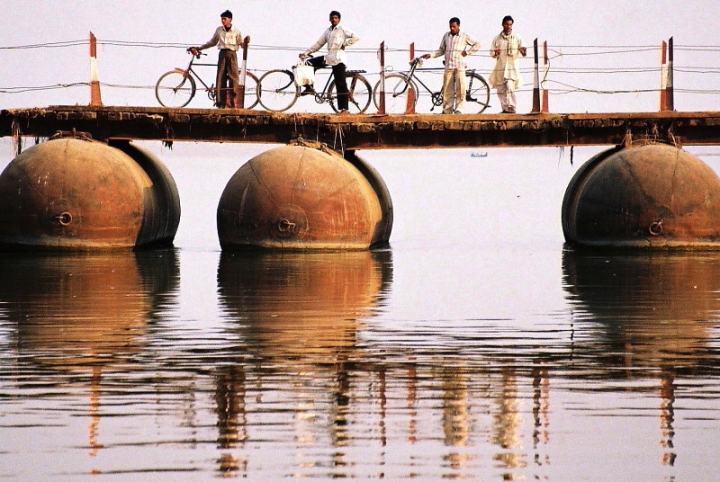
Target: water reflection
(78,313)
(297,315)
(305,372)
(653,316)
(649,309)
(302,307)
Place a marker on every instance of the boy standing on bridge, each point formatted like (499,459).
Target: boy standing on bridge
(506,77)
(337,38)
(454,46)
(228,39)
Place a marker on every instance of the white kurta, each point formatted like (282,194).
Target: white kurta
(507,67)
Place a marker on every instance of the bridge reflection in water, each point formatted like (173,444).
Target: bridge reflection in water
(305,375)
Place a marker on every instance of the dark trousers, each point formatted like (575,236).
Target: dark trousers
(228,79)
(340,80)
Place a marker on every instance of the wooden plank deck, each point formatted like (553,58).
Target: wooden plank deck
(367,131)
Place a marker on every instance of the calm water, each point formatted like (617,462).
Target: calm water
(477,347)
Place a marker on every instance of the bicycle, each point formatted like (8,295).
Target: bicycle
(177,87)
(278,91)
(401,90)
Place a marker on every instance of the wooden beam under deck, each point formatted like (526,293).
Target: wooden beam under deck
(364,131)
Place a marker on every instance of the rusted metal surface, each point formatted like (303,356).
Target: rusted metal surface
(298,198)
(363,131)
(75,194)
(646,196)
(383,228)
(161,216)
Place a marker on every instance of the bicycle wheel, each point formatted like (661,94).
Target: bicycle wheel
(401,94)
(359,93)
(175,89)
(278,90)
(477,95)
(252,88)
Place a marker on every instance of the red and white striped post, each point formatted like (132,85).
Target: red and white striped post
(410,108)
(536,81)
(663,76)
(381,98)
(545,99)
(670,96)
(667,101)
(94,82)
(240,102)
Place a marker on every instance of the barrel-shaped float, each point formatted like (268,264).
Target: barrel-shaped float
(644,196)
(304,197)
(78,194)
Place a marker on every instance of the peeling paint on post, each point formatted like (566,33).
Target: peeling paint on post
(545,100)
(536,80)
(411,94)
(381,104)
(94,82)
(670,97)
(243,75)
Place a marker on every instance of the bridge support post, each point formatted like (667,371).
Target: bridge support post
(545,100)
(667,101)
(381,98)
(536,81)
(411,94)
(240,101)
(94,82)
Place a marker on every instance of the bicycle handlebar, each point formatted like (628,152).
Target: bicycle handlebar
(197,53)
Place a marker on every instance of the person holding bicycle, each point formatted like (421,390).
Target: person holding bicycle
(228,39)
(455,46)
(505,77)
(336,37)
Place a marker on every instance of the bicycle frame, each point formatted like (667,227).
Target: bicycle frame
(279,90)
(322,96)
(412,77)
(436,97)
(210,89)
(178,86)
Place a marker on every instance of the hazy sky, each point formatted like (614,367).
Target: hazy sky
(580,35)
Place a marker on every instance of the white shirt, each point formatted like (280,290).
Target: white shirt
(452,46)
(335,37)
(231,39)
(507,67)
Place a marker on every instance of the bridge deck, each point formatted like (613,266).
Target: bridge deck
(362,131)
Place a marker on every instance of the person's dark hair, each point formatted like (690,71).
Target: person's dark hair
(226,13)
(506,18)
(335,12)
(455,20)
